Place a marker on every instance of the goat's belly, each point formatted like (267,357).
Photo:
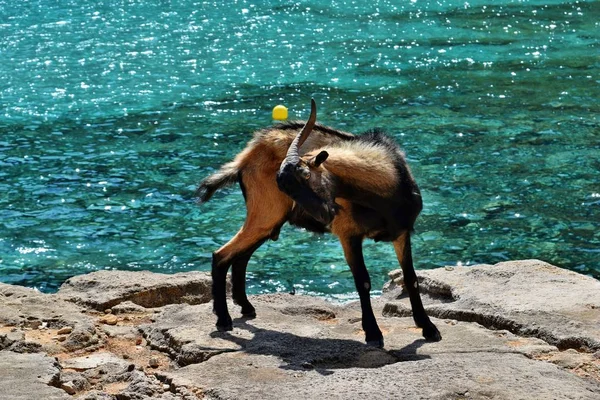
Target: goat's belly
(380,236)
(300,218)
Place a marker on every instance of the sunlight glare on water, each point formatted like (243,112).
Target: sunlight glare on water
(112,112)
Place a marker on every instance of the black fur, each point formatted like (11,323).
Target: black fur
(298,125)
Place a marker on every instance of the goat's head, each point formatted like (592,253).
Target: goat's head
(305,180)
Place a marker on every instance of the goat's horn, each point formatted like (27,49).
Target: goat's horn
(293,153)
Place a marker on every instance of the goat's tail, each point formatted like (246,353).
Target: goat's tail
(227,175)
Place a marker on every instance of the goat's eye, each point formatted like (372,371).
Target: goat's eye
(305,174)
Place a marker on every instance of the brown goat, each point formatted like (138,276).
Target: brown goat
(324,180)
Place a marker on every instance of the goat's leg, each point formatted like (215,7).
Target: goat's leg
(238,286)
(238,282)
(220,266)
(354,256)
(267,210)
(403,250)
(235,253)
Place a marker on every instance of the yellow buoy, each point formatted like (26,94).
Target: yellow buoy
(280,113)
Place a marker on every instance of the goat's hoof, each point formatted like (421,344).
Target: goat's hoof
(375,343)
(224,324)
(432,334)
(248,311)
(224,328)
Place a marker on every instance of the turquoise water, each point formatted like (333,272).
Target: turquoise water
(112,111)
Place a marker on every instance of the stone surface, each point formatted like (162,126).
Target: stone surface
(102,290)
(305,347)
(529,297)
(40,317)
(94,361)
(445,376)
(29,376)
(309,355)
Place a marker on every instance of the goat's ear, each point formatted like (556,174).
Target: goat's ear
(320,158)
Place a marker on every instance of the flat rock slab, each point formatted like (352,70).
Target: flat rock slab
(29,376)
(188,333)
(102,290)
(94,361)
(527,297)
(445,376)
(314,357)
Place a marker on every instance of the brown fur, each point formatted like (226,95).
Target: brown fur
(368,167)
(257,166)
(267,149)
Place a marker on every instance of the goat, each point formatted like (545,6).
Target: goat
(355,187)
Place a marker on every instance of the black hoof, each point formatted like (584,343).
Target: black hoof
(224,324)
(248,311)
(432,334)
(375,343)
(224,328)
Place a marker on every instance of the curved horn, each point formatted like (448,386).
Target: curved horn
(292,155)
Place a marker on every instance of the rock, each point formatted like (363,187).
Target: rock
(29,376)
(530,297)
(16,292)
(321,313)
(570,358)
(96,395)
(128,307)
(8,339)
(396,310)
(73,382)
(125,331)
(82,336)
(68,387)
(65,331)
(142,386)
(445,376)
(394,274)
(101,290)
(109,320)
(497,343)
(27,308)
(154,362)
(94,361)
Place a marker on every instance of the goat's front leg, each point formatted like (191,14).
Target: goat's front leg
(402,247)
(354,256)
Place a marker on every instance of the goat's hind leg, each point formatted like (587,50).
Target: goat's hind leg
(267,209)
(238,283)
(235,253)
(402,247)
(238,275)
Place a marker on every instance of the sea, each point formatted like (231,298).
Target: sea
(112,112)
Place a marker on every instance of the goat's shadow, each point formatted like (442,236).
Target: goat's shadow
(321,354)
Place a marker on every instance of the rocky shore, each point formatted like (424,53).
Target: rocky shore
(515,330)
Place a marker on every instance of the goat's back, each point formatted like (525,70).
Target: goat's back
(269,146)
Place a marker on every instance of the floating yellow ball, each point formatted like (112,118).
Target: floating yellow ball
(280,113)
